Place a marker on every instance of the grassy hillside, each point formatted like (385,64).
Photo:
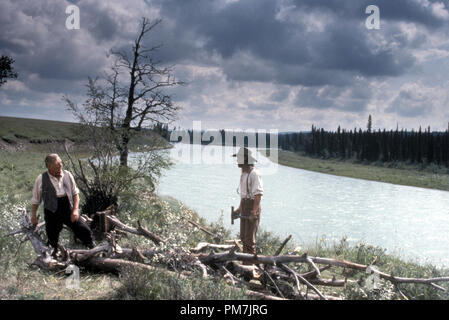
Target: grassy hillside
(35,131)
(15,131)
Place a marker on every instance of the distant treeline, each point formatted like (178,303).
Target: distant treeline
(414,146)
(420,146)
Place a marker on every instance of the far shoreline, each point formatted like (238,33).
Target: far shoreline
(412,175)
(405,174)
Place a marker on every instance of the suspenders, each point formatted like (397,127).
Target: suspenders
(248,196)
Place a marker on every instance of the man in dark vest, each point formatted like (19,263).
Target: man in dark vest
(57,188)
(251,192)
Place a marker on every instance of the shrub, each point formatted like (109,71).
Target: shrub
(158,285)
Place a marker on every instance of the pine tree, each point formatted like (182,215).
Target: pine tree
(370,124)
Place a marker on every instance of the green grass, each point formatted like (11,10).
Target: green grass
(431,177)
(166,217)
(16,131)
(157,285)
(18,170)
(35,131)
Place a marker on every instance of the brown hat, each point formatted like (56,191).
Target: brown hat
(244,156)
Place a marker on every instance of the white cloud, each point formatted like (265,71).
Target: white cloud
(440,11)
(241,72)
(415,99)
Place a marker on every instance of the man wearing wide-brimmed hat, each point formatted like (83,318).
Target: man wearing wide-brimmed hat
(251,192)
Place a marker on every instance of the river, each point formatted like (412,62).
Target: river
(408,221)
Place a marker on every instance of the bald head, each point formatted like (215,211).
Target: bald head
(54,164)
(49,159)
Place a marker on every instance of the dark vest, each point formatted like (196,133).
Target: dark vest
(49,192)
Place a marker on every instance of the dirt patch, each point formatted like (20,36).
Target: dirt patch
(4,145)
(12,146)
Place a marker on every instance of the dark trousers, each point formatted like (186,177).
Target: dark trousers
(55,220)
(248,228)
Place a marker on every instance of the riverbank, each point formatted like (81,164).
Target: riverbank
(414,175)
(32,135)
(19,280)
(167,217)
(430,177)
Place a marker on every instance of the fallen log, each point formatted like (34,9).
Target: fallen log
(246,257)
(81,255)
(205,245)
(383,275)
(328,282)
(138,231)
(110,257)
(219,258)
(44,260)
(129,253)
(313,274)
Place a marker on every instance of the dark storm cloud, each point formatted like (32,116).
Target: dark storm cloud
(348,48)
(277,50)
(100,22)
(318,48)
(252,26)
(35,35)
(246,67)
(257,45)
(414,11)
(243,26)
(52,61)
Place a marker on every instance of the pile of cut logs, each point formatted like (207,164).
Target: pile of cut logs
(262,276)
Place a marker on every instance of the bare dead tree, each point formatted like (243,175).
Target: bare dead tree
(132,95)
(128,98)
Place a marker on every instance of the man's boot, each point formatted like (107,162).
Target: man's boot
(91,245)
(54,254)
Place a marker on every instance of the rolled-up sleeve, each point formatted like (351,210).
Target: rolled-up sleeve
(256,183)
(75,190)
(37,191)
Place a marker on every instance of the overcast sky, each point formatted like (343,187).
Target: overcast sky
(261,64)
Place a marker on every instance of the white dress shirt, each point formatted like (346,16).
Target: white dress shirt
(255,184)
(57,184)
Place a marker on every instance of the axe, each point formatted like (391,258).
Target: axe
(235,215)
